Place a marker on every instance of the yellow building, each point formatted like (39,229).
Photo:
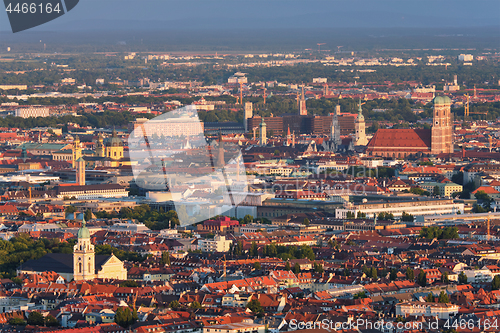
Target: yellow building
(114,148)
(83,264)
(445,189)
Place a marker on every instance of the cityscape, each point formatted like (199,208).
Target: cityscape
(295,187)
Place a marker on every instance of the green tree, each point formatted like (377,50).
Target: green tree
(436,191)
(443,297)
(174,305)
(407,217)
(306,222)
(255,306)
(70,210)
(445,278)
(373,273)
(238,249)
(495,284)
(124,317)
(296,268)
(165,259)
(247,219)
(361,215)
(429,298)
(394,274)
(359,295)
(318,268)
(410,274)
(482,196)
(257,266)
(422,278)
(17,322)
(254,252)
(51,321)
(287,266)
(129,284)
(88,215)
(462,278)
(195,305)
(35,318)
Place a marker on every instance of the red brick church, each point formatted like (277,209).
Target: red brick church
(400,143)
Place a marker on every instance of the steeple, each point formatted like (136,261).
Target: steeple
(360,138)
(360,111)
(302,103)
(288,136)
(83,255)
(263,133)
(77,151)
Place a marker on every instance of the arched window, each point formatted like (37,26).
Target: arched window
(80,267)
(89,270)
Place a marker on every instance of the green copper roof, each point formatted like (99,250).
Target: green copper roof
(83,232)
(442,100)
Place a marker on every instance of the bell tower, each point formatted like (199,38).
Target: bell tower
(83,256)
(263,133)
(360,128)
(302,103)
(77,151)
(442,136)
(100,150)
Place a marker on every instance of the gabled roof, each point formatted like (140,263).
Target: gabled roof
(401,138)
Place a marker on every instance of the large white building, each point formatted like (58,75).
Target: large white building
(218,244)
(465,57)
(415,207)
(440,310)
(32,112)
(242,327)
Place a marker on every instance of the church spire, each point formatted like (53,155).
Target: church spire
(360,110)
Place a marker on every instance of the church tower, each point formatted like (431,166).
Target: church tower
(80,171)
(100,150)
(360,128)
(77,151)
(302,104)
(263,133)
(442,136)
(335,130)
(83,256)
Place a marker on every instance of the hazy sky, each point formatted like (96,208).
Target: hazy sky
(267,14)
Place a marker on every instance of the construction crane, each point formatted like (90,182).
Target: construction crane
(338,48)
(467,110)
(319,46)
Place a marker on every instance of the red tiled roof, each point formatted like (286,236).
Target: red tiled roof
(486,189)
(401,138)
